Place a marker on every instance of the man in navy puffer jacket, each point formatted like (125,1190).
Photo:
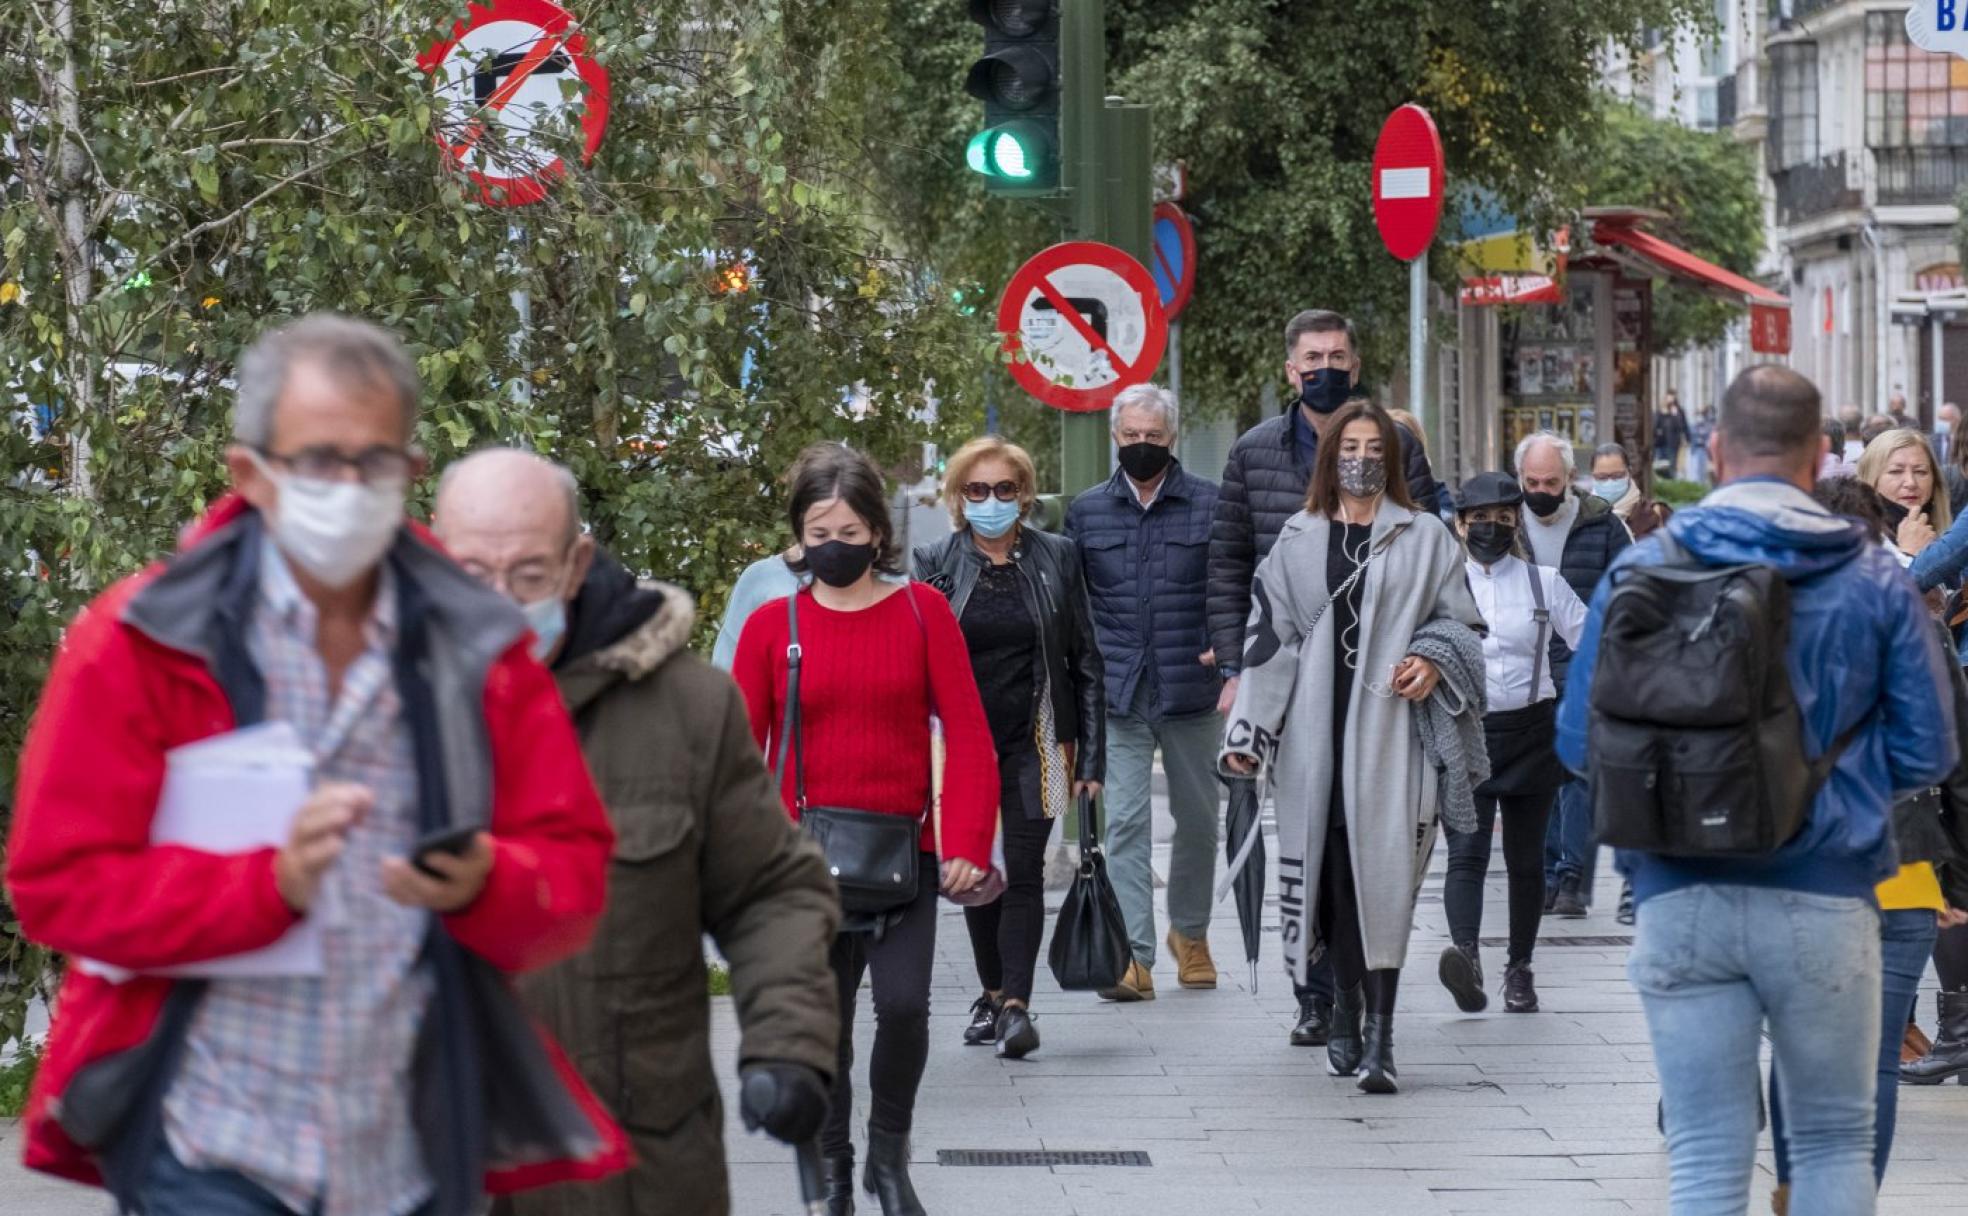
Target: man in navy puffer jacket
(1791,938)
(1144,536)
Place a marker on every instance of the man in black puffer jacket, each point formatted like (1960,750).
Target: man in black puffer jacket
(1264,484)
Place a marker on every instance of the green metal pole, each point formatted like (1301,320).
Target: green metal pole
(1083,146)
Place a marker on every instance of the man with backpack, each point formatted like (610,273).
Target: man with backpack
(1754,684)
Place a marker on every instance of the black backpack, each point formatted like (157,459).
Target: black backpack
(1696,745)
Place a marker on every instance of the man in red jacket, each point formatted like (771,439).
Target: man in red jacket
(403,1078)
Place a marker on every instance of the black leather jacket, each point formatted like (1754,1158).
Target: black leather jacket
(1055,591)
(1931,825)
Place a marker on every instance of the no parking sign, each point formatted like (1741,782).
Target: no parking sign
(499,76)
(1088,322)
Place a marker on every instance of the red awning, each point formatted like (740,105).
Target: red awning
(1656,256)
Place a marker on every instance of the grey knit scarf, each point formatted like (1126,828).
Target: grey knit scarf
(1450,721)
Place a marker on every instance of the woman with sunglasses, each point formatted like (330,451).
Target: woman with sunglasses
(1358,584)
(1021,600)
(876,660)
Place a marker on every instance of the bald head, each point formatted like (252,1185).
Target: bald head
(1771,424)
(512,519)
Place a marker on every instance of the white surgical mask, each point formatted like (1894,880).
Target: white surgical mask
(547,619)
(1612,489)
(337,531)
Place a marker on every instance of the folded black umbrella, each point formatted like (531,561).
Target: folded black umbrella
(1243,850)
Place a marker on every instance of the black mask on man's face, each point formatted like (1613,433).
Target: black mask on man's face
(1543,505)
(1144,461)
(1325,390)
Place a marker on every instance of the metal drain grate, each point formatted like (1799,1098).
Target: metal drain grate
(1599,943)
(1039,1158)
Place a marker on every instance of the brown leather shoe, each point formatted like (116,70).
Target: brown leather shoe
(1137,985)
(1193,966)
(1915,1044)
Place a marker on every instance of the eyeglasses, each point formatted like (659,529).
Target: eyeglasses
(372,466)
(978,491)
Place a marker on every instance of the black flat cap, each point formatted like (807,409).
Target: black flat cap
(1489,490)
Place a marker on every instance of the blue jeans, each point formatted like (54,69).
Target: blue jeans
(1906,938)
(1569,850)
(175,1189)
(1712,965)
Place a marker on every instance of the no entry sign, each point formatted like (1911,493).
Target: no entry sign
(1407,182)
(1175,259)
(1085,321)
(499,76)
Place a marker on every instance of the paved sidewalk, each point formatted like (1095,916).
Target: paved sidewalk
(1528,1115)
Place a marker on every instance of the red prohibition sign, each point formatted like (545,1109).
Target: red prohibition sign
(555,42)
(1107,300)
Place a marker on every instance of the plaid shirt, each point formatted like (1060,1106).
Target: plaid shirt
(298,1084)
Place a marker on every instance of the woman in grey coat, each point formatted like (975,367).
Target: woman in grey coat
(1326,703)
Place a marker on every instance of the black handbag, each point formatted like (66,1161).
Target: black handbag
(874,857)
(1090,942)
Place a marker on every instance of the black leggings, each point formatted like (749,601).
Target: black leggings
(1525,818)
(901,961)
(1951,959)
(1339,919)
(1005,934)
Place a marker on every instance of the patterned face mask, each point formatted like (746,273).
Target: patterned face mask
(1362,476)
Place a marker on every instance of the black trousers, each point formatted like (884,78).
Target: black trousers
(1951,959)
(1525,818)
(900,961)
(1339,919)
(1005,935)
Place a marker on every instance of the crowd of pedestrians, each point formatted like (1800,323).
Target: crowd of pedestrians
(524,802)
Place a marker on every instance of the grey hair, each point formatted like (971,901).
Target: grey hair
(351,351)
(1149,397)
(1319,321)
(1565,453)
(1612,449)
(563,478)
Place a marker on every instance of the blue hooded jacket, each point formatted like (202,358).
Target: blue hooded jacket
(1860,647)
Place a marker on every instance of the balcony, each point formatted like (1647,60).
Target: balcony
(1799,9)
(1912,176)
(1815,188)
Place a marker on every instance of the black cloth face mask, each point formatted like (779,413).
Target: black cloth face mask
(1543,505)
(1145,461)
(1325,390)
(1490,541)
(839,564)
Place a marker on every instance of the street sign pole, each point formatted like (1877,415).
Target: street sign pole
(1418,338)
(1083,33)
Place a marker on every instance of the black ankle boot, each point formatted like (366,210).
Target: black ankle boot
(1377,1055)
(838,1174)
(1949,1057)
(1343,1047)
(887,1176)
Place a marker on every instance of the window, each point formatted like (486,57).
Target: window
(1794,103)
(1914,98)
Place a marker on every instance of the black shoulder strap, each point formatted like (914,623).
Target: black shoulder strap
(1822,766)
(789,728)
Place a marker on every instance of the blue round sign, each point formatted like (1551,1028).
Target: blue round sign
(1174,258)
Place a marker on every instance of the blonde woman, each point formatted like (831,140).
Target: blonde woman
(1021,600)
(1901,467)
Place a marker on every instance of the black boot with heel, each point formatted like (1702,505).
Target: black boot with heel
(1343,1047)
(1377,1075)
(1949,1057)
(838,1175)
(887,1176)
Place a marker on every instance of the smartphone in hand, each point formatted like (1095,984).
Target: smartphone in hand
(455,841)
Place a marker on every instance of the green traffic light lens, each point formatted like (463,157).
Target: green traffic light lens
(1009,157)
(974,154)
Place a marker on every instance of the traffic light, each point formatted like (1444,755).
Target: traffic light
(1018,81)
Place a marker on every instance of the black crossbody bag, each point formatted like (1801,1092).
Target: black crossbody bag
(875,858)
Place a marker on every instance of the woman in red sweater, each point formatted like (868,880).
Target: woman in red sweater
(873,668)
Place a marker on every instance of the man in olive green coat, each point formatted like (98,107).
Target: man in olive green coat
(703,846)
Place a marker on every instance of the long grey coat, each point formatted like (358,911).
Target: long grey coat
(1283,716)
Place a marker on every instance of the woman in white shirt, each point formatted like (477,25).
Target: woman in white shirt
(1525,605)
